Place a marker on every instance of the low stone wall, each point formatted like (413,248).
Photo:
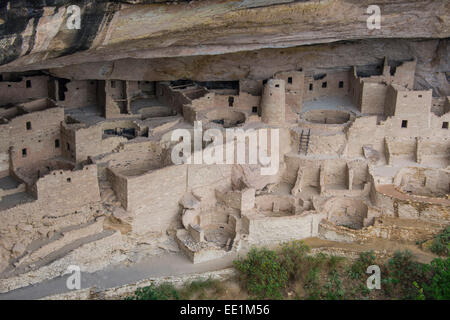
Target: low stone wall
(394,229)
(265,230)
(123,291)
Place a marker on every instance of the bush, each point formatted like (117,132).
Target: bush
(441,243)
(292,257)
(202,289)
(401,273)
(333,287)
(359,267)
(438,287)
(165,291)
(263,274)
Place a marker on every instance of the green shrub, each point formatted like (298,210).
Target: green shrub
(334,262)
(292,258)
(333,287)
(312,284)
(359,267)
(438,286)
(441,243)
(165,291)
(202,289)
(401,272)
(263,274)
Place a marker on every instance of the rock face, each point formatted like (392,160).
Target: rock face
(36,36)
(432,63)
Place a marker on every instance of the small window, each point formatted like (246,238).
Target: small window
(277,86)
(255,110)
(28,83)
(404,123)
(24,153)
(324,84)
(28,125)
(310,87)
(69,180)
(290,80)
(57,143)
(341,84)
(113,84)
(445,125)
(68,147)
(230,101)
(420,96)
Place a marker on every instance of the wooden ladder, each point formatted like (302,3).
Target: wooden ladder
(304,141)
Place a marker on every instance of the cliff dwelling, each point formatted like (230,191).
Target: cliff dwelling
(87,175)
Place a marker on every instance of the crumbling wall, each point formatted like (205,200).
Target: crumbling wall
(35,136)
(373,96)
(119,185)
(79,94)
(263,230)
(171,97)
(411,106)
(69,189)
(153,197)
(400,148)
(29,88)
(294,85)
(348,212)
(65,199)
(326,85)
(68,140)
(90,142)
(243,101)
(134,156)
(431,149)
(423,181)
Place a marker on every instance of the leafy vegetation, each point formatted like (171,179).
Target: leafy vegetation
(408,279)
(359,267)
(165,291)
(293,271)
(202,289)
(441,243)
(263,273)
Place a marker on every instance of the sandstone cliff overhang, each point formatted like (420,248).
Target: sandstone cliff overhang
(34,36)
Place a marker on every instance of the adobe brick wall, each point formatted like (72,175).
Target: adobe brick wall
(39,140)
(69,189)
(15,92)
(332,88)
(79,94)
